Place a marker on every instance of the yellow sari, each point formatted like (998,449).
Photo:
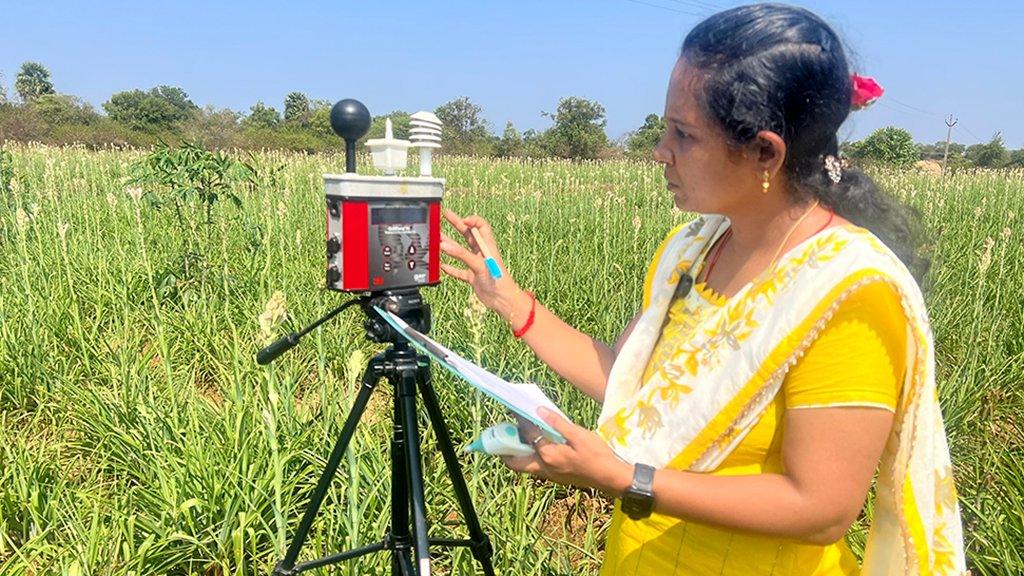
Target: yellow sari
(697,407)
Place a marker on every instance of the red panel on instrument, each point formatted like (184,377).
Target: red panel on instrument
(355,225)
(434,251)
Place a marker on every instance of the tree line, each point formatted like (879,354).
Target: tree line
(166,114)
(143,118)
(894,146)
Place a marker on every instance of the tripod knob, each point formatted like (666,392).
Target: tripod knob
(333,275)
(350,119)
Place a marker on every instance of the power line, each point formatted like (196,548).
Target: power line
(914,108)
(900,110)
(968,130)
(926,113)
(699,4)
(665,8)
(908,109)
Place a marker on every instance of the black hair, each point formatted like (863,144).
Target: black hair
(783,69)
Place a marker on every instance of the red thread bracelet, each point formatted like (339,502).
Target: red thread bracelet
(529,319)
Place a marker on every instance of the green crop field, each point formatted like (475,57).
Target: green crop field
(138,435)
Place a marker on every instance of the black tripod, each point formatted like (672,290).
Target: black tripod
(407,371)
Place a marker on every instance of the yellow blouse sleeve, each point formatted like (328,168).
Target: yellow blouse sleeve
(860,357)
(653,266)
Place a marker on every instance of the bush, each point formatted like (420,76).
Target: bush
(160,108)
(21,123)
(992,154)
(6,171)
(640,144)
(510,145)
(213,128)
(465,130)
(889,146)
(261,116)
(105,133)
(1016,159)
(63,109)
(297,139)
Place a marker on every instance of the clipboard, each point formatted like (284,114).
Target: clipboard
(523,399)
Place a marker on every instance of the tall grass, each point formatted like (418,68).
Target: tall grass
(137,435)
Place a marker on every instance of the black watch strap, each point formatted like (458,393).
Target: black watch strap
(638,499)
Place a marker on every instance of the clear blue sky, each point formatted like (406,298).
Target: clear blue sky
(514,58)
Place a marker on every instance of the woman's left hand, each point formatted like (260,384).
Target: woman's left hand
(584,460)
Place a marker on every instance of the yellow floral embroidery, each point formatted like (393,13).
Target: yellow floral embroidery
(766,288)
(615,429)
(649,418)
(673,391)
(671,371)
(733,327)
(945,490)
(814,255)
(681,268)
(943,551)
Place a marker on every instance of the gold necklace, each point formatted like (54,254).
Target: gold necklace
(792,229)
(728,235)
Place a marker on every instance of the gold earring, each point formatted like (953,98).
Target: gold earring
(766,184)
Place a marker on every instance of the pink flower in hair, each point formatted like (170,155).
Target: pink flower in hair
(865,91)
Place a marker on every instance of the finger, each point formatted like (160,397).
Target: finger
(455,220)
(561,425)
(483,227)
(460,224)
(469,238)
(457,273)
(478,222)
(475,262)
(527,464)
(551,453)
(528,431)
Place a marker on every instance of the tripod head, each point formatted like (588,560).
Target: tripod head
(406,303)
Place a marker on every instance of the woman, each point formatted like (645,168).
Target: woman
(743,418)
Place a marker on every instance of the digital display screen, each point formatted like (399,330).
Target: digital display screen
(398,215)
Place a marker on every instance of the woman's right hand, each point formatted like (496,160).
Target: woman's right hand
(503,295)
(578,358)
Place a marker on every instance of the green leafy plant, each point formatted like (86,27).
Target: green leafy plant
(641,143)
(191,180)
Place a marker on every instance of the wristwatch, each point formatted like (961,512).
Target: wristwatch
(638,499)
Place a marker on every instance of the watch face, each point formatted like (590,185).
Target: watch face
(637,506)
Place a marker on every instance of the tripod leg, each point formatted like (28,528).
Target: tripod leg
(370,378)
(406,390)
(403,560)
(482,550)
(401,539)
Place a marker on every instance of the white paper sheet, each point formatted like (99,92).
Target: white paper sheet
(522,398)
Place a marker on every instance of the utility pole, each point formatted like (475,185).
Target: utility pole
(950,122)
